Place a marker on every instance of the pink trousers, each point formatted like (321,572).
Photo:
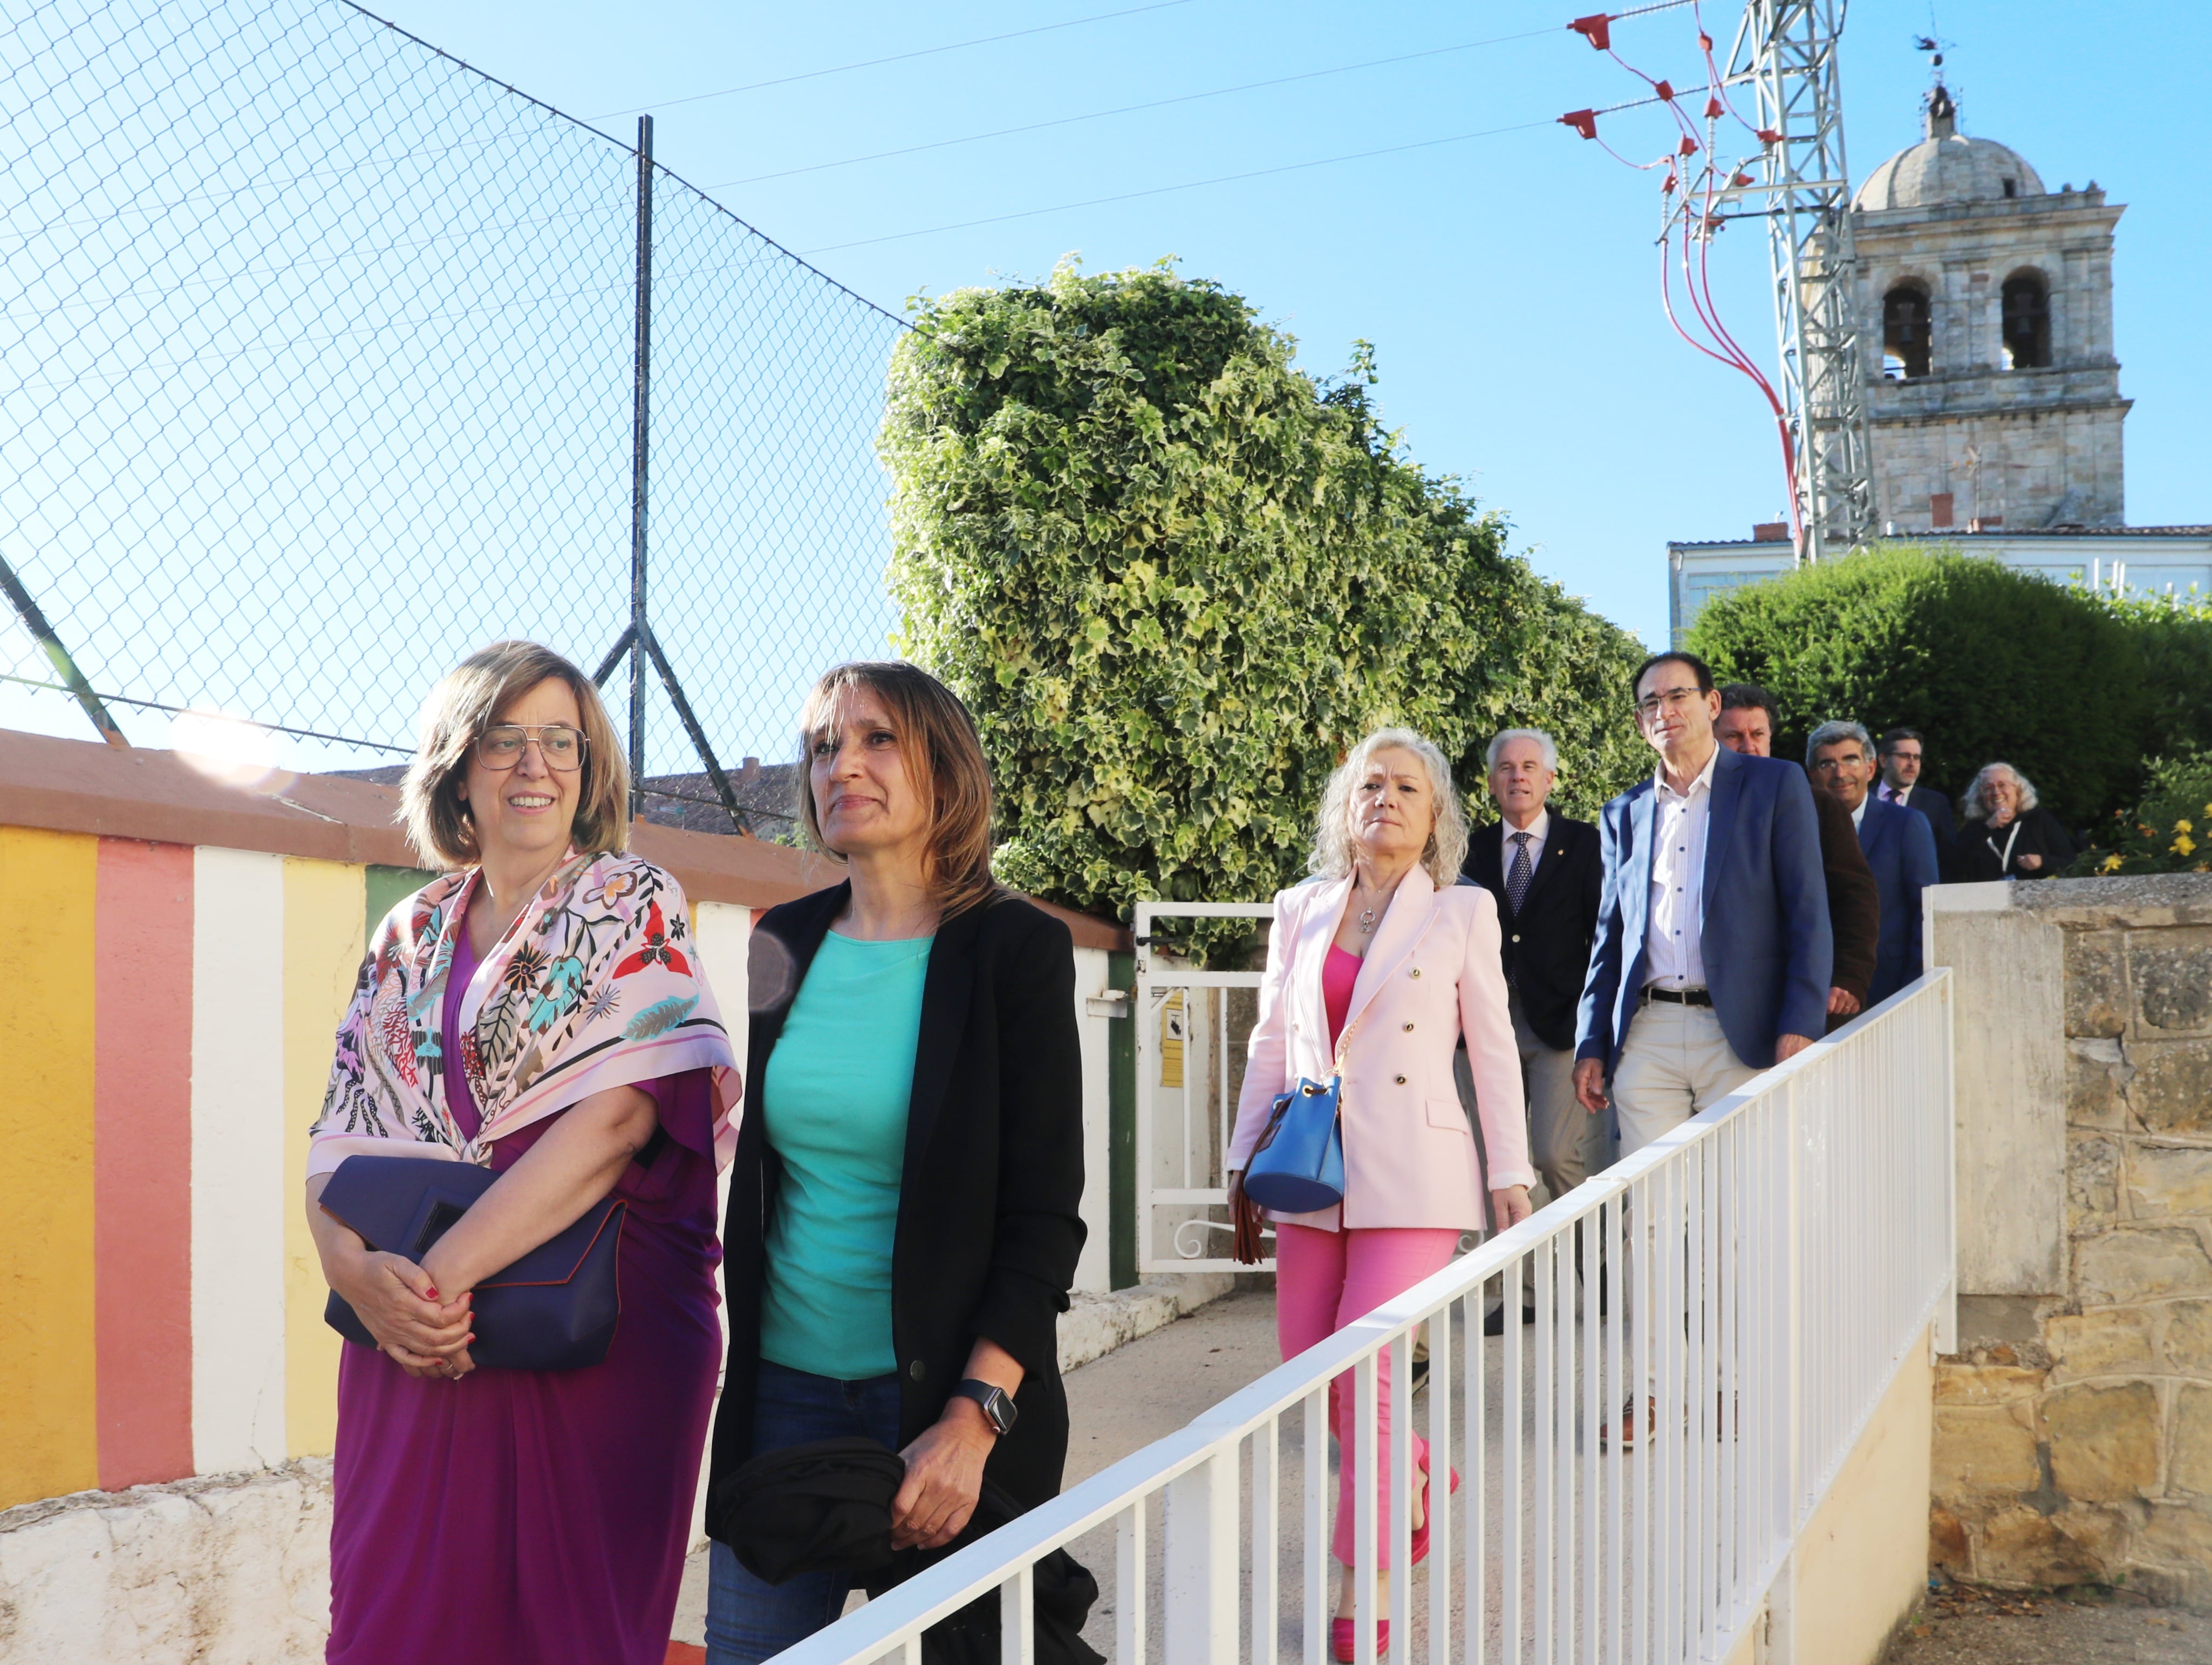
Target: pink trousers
(1323,1281)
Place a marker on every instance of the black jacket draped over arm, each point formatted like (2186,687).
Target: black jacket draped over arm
(989,1226)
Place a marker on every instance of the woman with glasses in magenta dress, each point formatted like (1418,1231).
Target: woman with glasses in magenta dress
(539,1011)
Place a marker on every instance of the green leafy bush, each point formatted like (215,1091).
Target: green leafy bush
(2173,636)
(1175,578)
(2169,832)
(1991,663)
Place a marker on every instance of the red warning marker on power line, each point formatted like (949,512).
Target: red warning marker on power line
(1582,121)
(1598,26)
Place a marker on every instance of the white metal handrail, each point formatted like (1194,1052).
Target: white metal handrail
(1788,1246)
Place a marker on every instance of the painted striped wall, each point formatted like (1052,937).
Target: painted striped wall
(166,1025)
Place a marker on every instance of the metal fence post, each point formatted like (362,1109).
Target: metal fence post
(1201,1563)
(1782,1599)
(1121,1240)
(34,621)
(1946,1310)
(640,393)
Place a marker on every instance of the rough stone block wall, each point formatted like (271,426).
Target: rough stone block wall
(2072,1440)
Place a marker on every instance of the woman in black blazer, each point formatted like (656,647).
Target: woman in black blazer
(2005,834)
(903,1218)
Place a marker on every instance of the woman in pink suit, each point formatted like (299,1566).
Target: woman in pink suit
(1385,947)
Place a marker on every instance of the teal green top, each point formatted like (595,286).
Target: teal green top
(835,1103)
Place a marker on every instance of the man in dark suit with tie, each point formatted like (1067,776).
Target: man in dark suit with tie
(1904,756)
(1544,869)
(1899,845)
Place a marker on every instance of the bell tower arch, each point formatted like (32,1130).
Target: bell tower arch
(1996,400)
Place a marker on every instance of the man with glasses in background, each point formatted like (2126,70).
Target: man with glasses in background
(1904,756)
(1713,954)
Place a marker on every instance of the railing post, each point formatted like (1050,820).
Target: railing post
(1782,1599)
(1017,1617)
(1946,1308)
(1201,1562)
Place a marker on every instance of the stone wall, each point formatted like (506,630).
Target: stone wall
(223,1569)
(2073,1438)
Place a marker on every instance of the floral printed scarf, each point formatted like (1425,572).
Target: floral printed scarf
(597,984)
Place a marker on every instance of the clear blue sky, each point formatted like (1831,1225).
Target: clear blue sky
(1507,281)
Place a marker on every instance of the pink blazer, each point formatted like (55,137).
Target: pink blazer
(1432,974)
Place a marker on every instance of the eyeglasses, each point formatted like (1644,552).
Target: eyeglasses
(560,746)
(1675,699)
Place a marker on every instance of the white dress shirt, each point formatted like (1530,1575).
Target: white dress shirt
(1674,955)
(1858,816)
(1536,830)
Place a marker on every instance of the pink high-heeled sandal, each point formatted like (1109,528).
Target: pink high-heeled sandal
(1421,1538)
(1339,1639)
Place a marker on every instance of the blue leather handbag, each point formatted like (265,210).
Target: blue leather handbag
(556,1309)
(1297,1166)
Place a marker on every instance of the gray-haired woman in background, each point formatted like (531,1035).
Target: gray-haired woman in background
(2006,834)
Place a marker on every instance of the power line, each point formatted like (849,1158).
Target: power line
(1129,109)
(895,58)
(1187,185)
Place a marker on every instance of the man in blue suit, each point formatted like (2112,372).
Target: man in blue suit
(1904,756)
(1713,954)
(1899,845)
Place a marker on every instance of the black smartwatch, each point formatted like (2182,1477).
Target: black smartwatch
(997,1405)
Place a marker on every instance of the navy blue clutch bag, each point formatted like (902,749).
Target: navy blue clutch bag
(556,1309)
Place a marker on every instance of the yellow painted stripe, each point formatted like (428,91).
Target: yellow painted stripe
(48,1376)
(323,947)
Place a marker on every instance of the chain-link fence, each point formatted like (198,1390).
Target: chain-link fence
(319,364)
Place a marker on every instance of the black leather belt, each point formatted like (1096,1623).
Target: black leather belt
(1678,996)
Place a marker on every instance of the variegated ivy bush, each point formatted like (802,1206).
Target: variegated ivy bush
(1175,578)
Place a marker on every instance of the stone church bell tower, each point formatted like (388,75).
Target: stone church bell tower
(1997,401)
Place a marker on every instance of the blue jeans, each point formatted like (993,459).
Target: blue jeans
(748,1618)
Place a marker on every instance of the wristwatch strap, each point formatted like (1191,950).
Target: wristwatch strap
(997,1405)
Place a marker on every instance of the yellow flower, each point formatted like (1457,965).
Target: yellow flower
(2114,862)
(2184,845)
(2183,827)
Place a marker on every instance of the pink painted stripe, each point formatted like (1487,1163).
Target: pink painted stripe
(141,1161)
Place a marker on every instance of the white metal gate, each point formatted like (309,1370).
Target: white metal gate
(1192,1029)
